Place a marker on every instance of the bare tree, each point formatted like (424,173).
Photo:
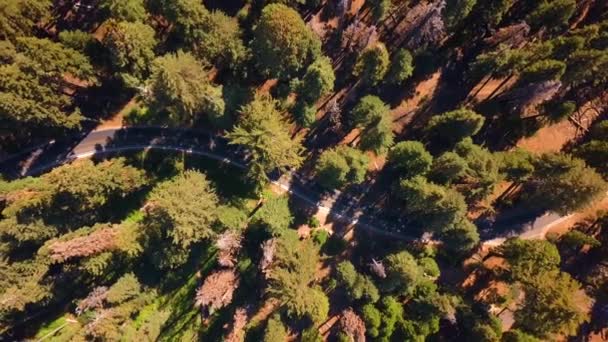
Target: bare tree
(334,115)
(268,249)
(512,36)
(426,26)
(98,241)
(378,268)
(217,291)
(229,245)
(527,98)
(237,328)
(352,325)
(358,35)
(94,300)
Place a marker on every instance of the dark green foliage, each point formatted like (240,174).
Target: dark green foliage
(550,307)
(219,41)
(131,47)
(187,17)
(372,65)
(380,9)
(180,89)
(283,45)
(433,206)
(516,335)
(357,286)
(401,67)
(451,127)
(545,70)
(528,258)
(403,273)
(392,316)
(492,12)
(291,279)
(311,335)
(318,80)
(305,114)
(595,151)
(517,165)
(275,215)
(482,172)
(320,237)
(340,166)
(564,184)
(373,117)
(558,111)
(266,135)
(78,40)
(460,236)
(231,217)
(180,212)
(447,168)
(553,15)
(411,158)
(456,11)
(31,83)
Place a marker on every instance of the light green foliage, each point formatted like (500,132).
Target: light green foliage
(283,45)
(429,267)
(275,215)
(372,65)
(373,117)
(340,166)
(275,330)
(553,15)
(266,136)
(550,306)
(179,86)
(517,165)
(403,273)
(576,239)
(220,41)
(516,335)
(292,275)
(77,40)
(131,48)
(357,286)
(447,168)
(230,217)
(318,80)
(528,258)
(31,84)
(372,318)
(186,207)
(18,17)
(392,316)
(401,67)
(125,10)
(311,335)
(564,184)
(456,11)
(125,288)
(451,127)
(411,158)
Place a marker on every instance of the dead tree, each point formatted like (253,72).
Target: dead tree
(352,325)
(228,245)
(217,291)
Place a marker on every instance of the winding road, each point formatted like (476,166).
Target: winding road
(196,142)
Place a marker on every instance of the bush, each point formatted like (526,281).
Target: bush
(313,222)
(320,237)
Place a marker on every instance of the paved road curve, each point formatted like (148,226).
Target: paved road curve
(203,143)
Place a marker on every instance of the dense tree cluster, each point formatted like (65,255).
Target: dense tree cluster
(395,127)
